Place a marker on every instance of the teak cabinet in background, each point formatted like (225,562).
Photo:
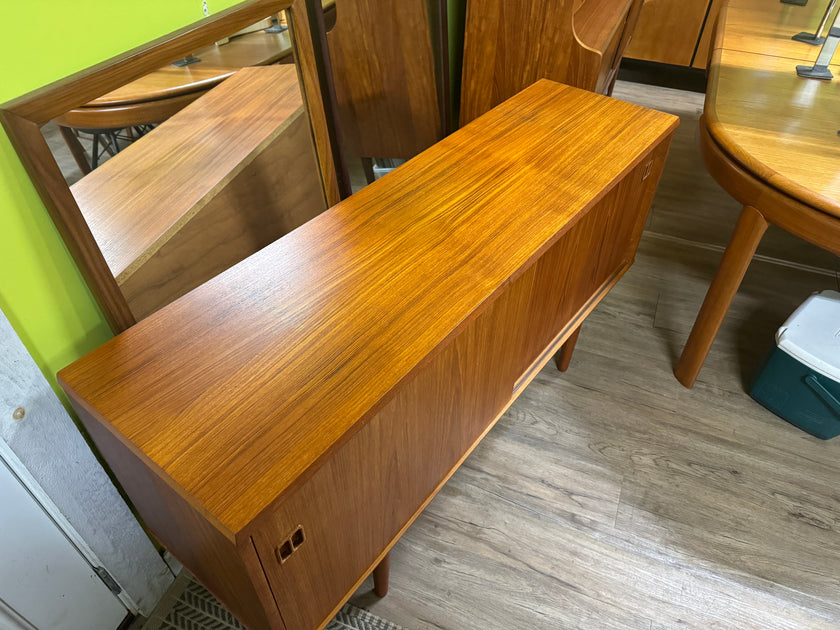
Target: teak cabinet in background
(676,32)
(279,427)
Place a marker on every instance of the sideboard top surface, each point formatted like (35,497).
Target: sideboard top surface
(236,391)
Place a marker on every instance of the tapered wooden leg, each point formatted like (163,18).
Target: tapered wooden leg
(751,227)
(76,149)
(367,166)
(564,357)
(380,576)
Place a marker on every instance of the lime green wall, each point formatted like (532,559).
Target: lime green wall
(41,291)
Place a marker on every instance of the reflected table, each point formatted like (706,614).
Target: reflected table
(155,97)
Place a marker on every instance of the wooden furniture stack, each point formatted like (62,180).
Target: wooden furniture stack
(676,32)
(222,178)
(389,67)
(509,45)
(279,427)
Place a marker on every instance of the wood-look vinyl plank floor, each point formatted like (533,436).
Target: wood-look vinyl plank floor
(612,497)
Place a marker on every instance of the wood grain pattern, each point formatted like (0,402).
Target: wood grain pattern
(611,497)
(313,99)
(668,31)
(384,73)
(22,116)
(508,46)
(38,160)
(212,557)
(275,192)
(254,151)
(800,160)
(400,459)
(469,208)
(350,355)
(707,36)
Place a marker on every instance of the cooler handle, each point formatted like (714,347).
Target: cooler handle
(820,390)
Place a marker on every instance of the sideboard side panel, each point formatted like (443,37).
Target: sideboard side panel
(197,544)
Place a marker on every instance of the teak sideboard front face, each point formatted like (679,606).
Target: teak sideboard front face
(283,508)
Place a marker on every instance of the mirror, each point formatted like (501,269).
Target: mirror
(190,194)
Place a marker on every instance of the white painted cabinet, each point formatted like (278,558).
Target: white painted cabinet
(45,582)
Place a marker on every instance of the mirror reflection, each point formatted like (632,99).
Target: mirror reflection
(186,171)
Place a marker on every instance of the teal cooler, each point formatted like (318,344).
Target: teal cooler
(800,379)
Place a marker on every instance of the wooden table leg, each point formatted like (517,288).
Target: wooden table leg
(380,576)
(367,166)
(751,227)
(76,149)
(564,357)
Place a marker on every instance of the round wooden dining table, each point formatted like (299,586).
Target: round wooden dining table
(770,138)
(158,95)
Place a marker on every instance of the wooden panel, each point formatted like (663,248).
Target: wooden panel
(186,161)
(509,45)
(499,61)
(594,253)
(314,99)
(704,46)
(381,479)
(275,193)
(384,74)
(185,529)
(668,31)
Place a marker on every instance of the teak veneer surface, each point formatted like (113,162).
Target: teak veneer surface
(591,27)
(140,198)
(780,127)
(509,45)
(668,31)
(237,391)
(384,73)
(766,28)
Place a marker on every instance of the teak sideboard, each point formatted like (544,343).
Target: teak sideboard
(279,427)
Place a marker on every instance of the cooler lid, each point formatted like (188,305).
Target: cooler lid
(812,334)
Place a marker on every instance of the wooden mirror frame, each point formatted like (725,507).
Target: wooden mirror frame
(23,117)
